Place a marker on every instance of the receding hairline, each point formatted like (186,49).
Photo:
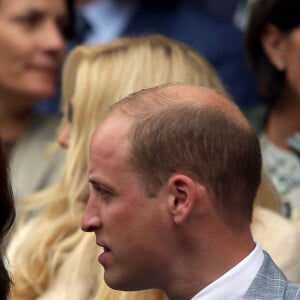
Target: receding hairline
(168,96)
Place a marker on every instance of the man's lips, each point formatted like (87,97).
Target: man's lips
(106,249)
(105,257)
(102,245)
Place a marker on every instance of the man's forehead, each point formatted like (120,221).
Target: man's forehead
(115,124)
(109,147)
(111,134)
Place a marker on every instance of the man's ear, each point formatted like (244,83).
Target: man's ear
(184,193)
(273,41)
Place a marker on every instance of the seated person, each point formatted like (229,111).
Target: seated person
(32,47)
(161,162)
(273,46)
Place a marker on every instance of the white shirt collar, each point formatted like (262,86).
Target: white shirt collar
(234,284)
(107,19)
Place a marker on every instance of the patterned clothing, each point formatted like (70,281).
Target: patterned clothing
(283,168)
(271,283)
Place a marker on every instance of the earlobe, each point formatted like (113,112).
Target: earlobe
(182,197)
(273,42)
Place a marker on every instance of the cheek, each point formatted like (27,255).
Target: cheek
(7,56)
(144,228)
(293,75)
(127,225)
(13,58)
(293,61)
(14,44)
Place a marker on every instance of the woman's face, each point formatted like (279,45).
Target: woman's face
(32,46)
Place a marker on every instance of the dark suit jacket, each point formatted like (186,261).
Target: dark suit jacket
(214,35)
(271,284)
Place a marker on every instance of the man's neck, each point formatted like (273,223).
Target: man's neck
(207,263)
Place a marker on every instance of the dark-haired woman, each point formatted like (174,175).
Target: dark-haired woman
(273,46)
(7,216)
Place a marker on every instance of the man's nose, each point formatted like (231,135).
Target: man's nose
(91,220)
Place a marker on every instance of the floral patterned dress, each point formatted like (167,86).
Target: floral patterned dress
(283,168)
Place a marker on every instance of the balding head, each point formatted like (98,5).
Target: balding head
(170,95)
(197,131)
(209,98)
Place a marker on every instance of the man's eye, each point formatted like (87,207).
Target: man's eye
(104,193)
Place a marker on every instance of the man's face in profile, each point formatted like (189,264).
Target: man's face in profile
(127,224)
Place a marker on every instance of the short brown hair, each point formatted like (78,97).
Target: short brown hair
(197,140)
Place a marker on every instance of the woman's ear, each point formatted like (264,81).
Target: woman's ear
(183,196)
(273,41)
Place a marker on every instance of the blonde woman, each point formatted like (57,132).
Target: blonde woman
(51,257)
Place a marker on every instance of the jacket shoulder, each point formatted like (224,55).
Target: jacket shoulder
(270,283)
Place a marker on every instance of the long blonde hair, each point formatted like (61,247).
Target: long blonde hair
(56,251)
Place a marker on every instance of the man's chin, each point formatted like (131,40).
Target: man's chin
(118,283)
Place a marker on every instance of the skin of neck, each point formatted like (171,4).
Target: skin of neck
(213,249)
(15,112)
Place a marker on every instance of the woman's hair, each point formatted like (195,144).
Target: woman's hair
(58,252)
(283,14)
(7,216)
